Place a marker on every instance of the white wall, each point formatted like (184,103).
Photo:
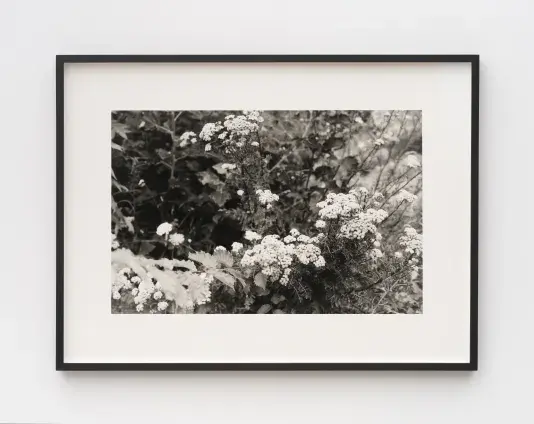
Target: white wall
(32,32)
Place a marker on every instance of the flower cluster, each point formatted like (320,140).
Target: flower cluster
(338,205)
(209,130)
(275,257)
(412,241)
(188,137)
(362,224)
(233,132)
(243,125)
(252,236)
(266,198)
(405,195)
(164,229)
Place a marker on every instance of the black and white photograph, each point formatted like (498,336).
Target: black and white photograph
(266,212)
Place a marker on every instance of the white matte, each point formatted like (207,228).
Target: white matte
(440,334)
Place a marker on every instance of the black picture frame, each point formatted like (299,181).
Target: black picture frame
(62,60)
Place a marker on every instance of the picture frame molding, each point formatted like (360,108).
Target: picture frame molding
(62,60)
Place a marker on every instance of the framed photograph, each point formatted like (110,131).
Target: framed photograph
(267,212)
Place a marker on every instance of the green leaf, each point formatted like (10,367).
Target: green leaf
(264,309)
(260,280)
(224,257)
(224,278)
(205,259)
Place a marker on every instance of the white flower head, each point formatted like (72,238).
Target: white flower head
(237,247)
(320,224)
(164,229)
(252,236)
(240,192)
(207,148)
(158,295)
(209,130)
(176,239)
(220,249)
(405,195)
(162,305)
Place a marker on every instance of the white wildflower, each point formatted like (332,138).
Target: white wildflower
(240,192)
(209,130)
(405,195)
(139,307)
(289,239)
(187,135)
(157,295)
(237,247)
(338,205)
(116,295)
(320,224)
(219,249)
(162,305)
(412,241)
(176,239)
(265,197)
(208,147)
(164,229)
(141,183)
(252,236)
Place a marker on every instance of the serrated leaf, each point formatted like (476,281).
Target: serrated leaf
(125,257)
(260,280)
(185,264)
(171,285)
(264,309)
(224,278)
(224,258)
(204,258)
